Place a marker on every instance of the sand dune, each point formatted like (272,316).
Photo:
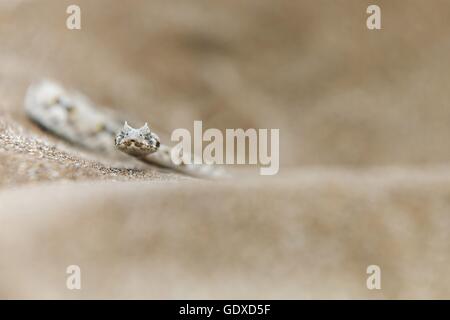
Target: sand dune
(364,178)
(310,234)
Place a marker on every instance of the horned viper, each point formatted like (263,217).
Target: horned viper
(73,117)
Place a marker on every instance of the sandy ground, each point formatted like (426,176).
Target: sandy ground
(363,119)
(312,239)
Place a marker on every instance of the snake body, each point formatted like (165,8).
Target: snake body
(73,117)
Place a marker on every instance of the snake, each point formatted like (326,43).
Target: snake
(73,117)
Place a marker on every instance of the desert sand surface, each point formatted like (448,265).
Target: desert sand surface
(364,178)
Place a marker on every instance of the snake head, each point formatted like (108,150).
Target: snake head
(137,142)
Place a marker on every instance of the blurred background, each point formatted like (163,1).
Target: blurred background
(341,94)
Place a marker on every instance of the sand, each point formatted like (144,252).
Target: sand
(364,177)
